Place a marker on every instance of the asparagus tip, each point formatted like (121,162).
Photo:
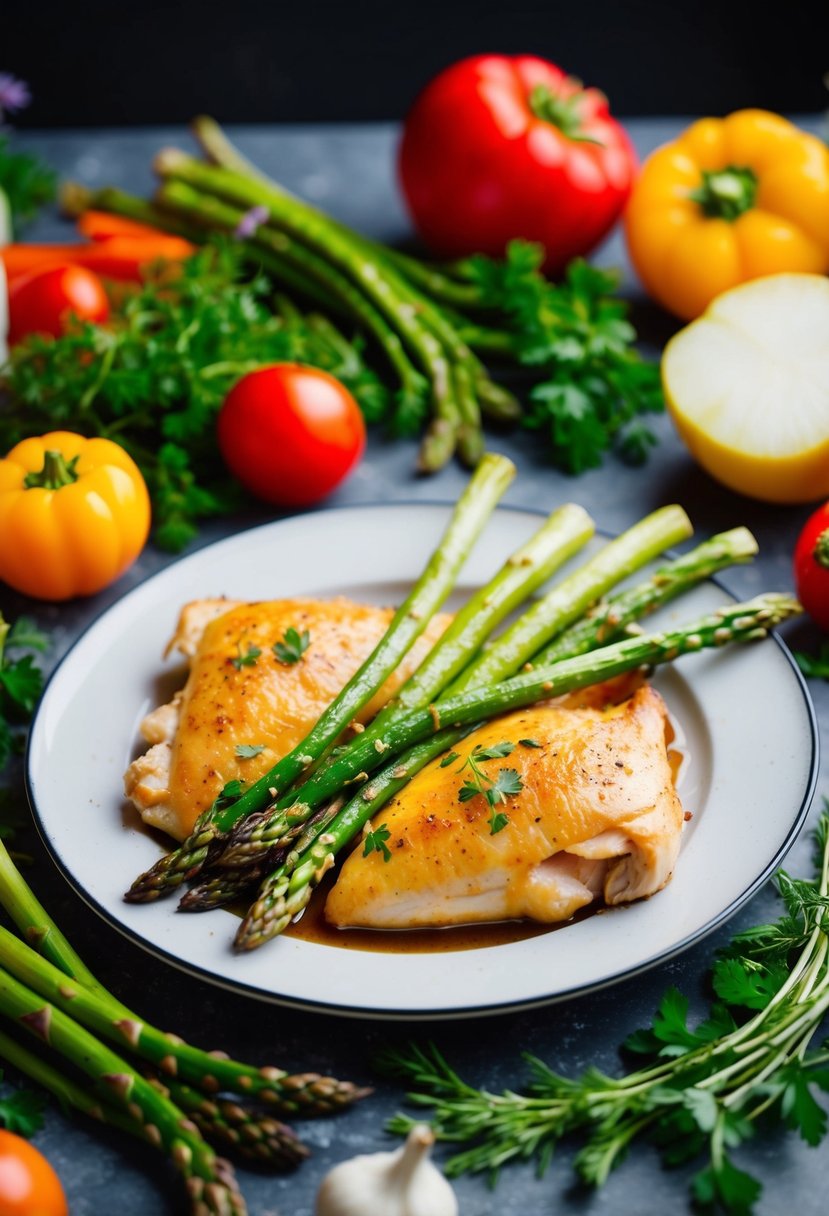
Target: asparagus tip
(73,199)
(167,160)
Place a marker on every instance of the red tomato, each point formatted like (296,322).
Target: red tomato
(28,1184)
(42,303)
(503,146)
(290,433)
(811,567)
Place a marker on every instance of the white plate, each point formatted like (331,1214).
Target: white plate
(746,716)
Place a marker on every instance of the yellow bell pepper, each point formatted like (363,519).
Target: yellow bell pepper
(74,514)
(732,199)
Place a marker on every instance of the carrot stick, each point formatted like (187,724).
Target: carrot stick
(120,257)
(103,226)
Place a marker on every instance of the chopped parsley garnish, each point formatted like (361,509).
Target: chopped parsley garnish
(247,658)
(450,759)
(246,751)
(506,784)
(530,743)
(375,842)
(293,646)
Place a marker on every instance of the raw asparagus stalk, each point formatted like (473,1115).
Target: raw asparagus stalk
(210,1180)
(387,291)
(251,1134)
(564,532)
(564,604)
(221,151)
(284,894)
(468,519)
(302,1093)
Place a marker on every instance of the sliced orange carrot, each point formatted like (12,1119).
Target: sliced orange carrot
(103,226)
(119,257)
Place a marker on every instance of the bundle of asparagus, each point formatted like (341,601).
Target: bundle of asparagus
(286,830)
(163,1090)
(432,325)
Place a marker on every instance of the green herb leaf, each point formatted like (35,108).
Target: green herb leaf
(496,752)
(507,784)
(246,751)
(814,667)
(293,646)
(26,181)
(497,822)
(22,681)
(530,743)
(448,759)
(22,1112)
(247,658)
(375,842)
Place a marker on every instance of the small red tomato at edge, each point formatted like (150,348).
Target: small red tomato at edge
(505,146)
(811,567)
(290,433)
(43,302)
(28,1184)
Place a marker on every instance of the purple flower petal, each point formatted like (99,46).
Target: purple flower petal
(250,221)
(14,93)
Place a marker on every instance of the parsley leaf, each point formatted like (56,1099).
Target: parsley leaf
(293,646)
(26,181)
(497,822)
(156,376)
(22,1112)
(496,752)
(375,842)
(506,785)
(530,743)
(575,333)
(449,759)
(247,658)
(814,667)
(246,751)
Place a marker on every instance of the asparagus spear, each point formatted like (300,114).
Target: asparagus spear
(252,1134)
(302,1093)
(210,1181)
(285,893)
(468,519)
(565,603)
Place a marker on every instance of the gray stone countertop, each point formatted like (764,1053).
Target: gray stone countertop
(349,170)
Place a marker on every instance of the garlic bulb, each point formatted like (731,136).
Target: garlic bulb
(400,1183)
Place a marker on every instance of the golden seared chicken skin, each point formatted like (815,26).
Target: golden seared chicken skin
(596,816)
(238,692)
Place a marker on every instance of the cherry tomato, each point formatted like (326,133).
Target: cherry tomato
(811,567)
(28,1184)
(290,433)
(43,302)
(503,146)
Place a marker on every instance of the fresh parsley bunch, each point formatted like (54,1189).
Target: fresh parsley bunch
(593,386)
(704,1090)
(155,379)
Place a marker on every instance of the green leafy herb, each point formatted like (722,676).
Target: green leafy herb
(375,842)
(246,751)
(246,658)
(576,335)
(26,181)
(293,646)
(705,1087)
(814,667)
(506,784)
(530,743)
(156,377)
(22,1111)
(448,759)
(21,682)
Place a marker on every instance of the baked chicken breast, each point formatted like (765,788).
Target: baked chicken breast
(239,693)
(595,815)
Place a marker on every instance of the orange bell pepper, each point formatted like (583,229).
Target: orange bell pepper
(731,199)
(74,514)
(103,226)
